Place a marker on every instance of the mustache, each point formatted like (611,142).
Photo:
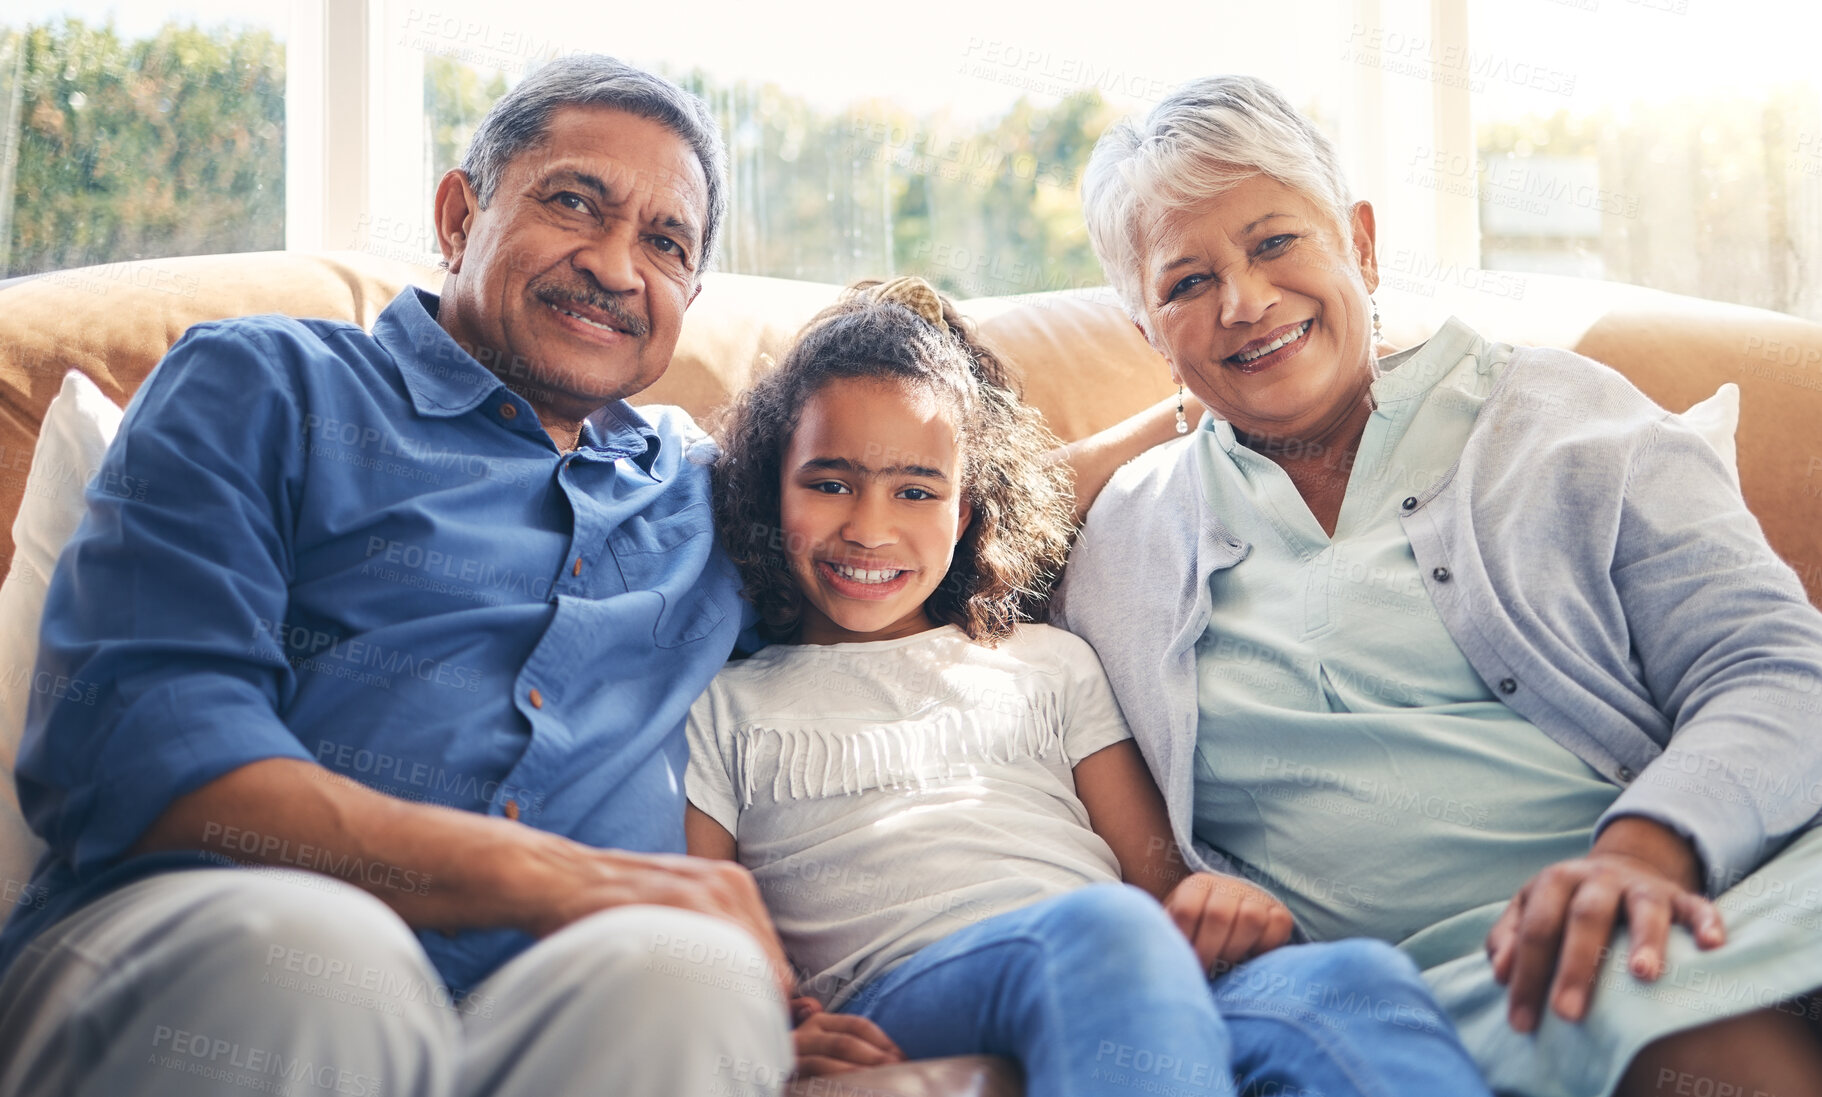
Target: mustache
(597,301)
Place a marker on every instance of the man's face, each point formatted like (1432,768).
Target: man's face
(571,284)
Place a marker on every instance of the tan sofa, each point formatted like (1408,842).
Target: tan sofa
(1084,365)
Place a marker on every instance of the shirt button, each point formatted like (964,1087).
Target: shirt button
(577,570)
(1441,575)
(512,810)
(507,411)
(537,699)
(1626,775)
(1410,502)
(1508,685)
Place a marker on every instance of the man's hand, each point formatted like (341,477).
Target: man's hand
(835,1043)
(568,881)
(1563,918)
(1227,920)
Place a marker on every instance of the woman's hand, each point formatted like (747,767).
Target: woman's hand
(834,1043)
(1563,918)
(1227,920)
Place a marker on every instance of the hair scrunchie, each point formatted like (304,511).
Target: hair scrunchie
(915,294)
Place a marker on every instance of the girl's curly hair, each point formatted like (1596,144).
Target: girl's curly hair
(1016,543)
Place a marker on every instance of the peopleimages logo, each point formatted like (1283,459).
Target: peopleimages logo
(364,445)
(1449,64)
(256,1068)
(401,776)
(274,849)
(403,562)
(318,651)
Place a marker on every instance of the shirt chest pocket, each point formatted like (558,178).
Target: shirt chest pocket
(661,560)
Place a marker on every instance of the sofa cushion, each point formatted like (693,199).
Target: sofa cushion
(78,426)
(1717,420)
(112,324)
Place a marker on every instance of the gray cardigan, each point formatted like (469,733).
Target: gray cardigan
(1592,558)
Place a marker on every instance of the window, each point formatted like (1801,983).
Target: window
(138,139)
(951,147)
(1668,143)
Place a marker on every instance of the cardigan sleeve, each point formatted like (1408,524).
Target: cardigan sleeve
(1730,651)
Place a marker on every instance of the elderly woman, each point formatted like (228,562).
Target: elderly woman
(1427,657)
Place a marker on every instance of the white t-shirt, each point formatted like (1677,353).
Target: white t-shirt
(887,794)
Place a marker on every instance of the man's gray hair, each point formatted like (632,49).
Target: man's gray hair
(522,116)
(1202,139)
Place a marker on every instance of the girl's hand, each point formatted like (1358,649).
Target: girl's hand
(834,1043)
(1563,918)
(1227,920)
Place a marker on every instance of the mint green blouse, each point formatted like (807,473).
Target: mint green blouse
(1339,722)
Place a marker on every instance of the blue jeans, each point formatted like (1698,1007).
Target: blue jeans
(1097,993)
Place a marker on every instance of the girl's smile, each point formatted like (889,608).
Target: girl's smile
(863,581)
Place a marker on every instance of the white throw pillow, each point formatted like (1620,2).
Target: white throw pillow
(78,426)
(1717,419)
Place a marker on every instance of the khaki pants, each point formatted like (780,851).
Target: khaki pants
(244,981)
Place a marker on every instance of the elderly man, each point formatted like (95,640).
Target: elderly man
(411,622)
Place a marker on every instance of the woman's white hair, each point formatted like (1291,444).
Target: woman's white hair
(1202,139)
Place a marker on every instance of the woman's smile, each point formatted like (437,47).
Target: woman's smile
(1277,346)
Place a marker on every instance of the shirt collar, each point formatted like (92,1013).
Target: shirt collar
(1413,372)
(445,381)
(618,430)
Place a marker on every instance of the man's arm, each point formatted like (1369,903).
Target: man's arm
(440,868)
(1097,457)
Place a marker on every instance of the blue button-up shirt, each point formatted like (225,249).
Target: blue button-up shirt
(365,552)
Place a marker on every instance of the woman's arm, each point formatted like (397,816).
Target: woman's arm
(1721,633)
(1097,457)
(1226,919)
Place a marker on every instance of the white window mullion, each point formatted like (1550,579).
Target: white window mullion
(1452,125)
(327,85)
(399,183)
(1408,137)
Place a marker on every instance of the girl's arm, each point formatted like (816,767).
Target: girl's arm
(1226,919)
(1127,811)
(826,1043)
(704,837)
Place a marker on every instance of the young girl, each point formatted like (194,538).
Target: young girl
(939,802)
